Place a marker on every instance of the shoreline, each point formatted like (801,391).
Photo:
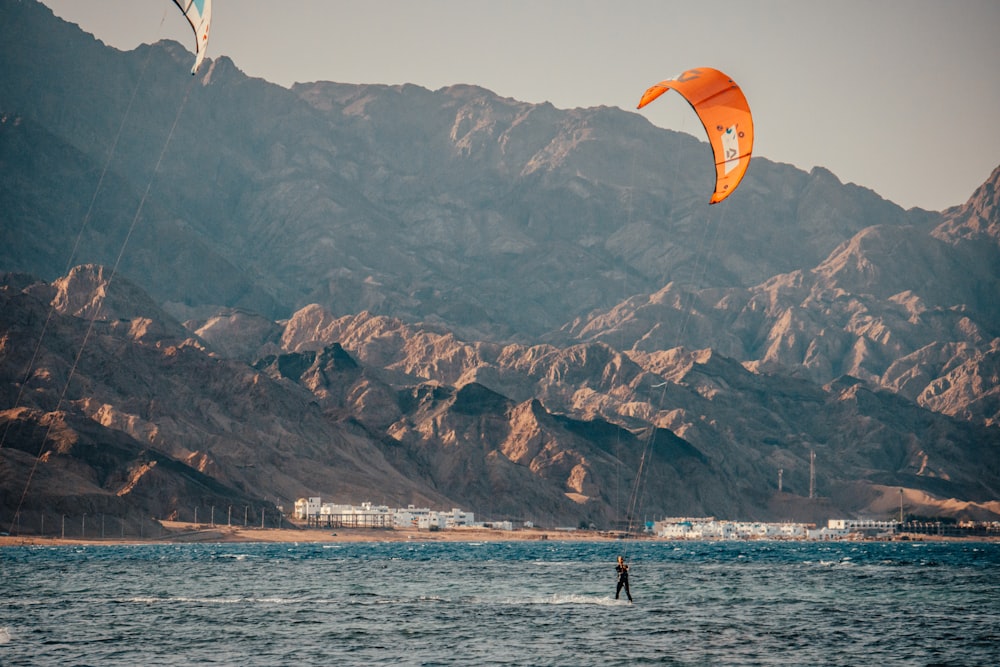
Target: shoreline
(190,533)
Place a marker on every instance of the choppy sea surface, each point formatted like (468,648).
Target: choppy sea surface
(501,603)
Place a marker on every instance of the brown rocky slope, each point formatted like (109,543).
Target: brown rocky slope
(563,443)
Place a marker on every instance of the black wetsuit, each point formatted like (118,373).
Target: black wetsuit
(622,570)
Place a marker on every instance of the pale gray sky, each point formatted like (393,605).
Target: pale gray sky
(900,96)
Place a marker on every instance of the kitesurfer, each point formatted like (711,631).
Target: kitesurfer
(622,569)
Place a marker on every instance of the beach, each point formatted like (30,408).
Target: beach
(180,532)
(184,532)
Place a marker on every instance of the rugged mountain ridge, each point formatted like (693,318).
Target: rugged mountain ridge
(325,420)
(496,219)
(707,396)
(884,307)
(432,296)
(253,438)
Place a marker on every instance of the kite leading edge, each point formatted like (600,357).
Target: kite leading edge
(199,15)
(723,110)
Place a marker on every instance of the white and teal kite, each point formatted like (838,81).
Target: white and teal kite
(199,15)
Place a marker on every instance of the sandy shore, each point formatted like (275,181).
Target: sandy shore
(179,532)
(176,532)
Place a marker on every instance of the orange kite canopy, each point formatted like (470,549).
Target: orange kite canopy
(724,112)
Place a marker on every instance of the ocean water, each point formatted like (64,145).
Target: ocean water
(501,603)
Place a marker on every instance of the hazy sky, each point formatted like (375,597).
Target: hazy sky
(901,96)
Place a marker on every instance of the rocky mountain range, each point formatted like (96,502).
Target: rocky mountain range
(450,298)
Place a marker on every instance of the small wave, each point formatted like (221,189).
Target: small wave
(184,600)
(198,600)
(571,599)
(275,600)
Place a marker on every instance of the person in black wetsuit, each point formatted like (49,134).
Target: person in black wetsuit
(622,569)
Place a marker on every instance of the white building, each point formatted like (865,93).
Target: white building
(857,525)
(368,515)
(499,525)
(306,507)
(365,509)
(412,517)
(793,530)
(710,529)
(827,533)
(864,527)
(683,530)
(424,518)
(458,518)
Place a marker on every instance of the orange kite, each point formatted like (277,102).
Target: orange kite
(724,112)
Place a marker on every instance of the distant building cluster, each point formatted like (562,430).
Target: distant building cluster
(334,515)
(709,528)
(318,514)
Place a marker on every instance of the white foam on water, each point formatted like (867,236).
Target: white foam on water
(568,599)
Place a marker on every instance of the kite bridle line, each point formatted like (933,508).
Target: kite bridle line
(633,507)
(629,210)
(705,249)
(114,271)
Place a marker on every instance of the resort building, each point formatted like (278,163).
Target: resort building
(306,507)
(367,515)
(710,529)
(864,527)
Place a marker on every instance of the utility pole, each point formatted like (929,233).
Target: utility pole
(812,474)
(901,508)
